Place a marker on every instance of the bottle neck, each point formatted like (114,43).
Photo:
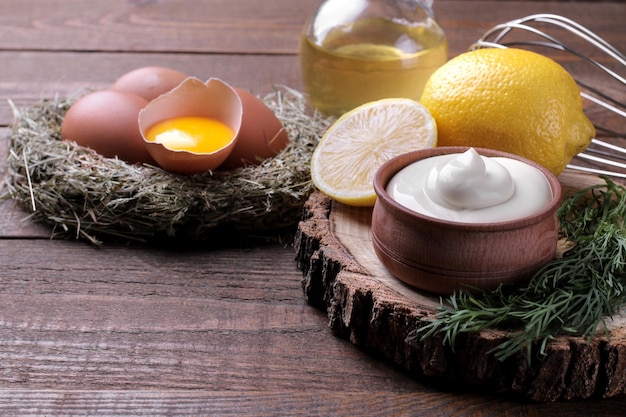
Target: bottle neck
(332,14)
(426,5)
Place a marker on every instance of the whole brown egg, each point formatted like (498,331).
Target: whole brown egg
(262,134)
(107,122)
(149,82)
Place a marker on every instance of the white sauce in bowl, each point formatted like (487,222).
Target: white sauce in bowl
(471,188)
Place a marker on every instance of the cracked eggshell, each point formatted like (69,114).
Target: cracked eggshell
(262,134)
(215,100)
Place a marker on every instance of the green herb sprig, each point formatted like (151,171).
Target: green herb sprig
(573,295)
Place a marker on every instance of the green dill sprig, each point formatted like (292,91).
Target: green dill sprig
(573,295)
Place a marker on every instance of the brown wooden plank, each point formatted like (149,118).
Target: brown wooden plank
(198,26)
(59,362)
(291,402)
(137,272)
(138,331)
(166,332)
(14,223)
(70,318)
(465,22)
(233,26)
(28,77)
(464,26)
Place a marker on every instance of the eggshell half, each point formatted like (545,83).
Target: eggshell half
(149,82)
(213,99)
(106,121)
(262,134)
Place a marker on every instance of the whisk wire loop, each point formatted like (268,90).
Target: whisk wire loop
(495,38)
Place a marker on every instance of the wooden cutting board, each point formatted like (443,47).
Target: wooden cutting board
(377,312)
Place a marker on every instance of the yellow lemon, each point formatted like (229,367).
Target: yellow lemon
(360,141)
(512,100)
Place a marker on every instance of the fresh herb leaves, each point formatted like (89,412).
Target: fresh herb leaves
(571,295)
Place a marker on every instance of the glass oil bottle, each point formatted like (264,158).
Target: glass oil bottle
(356,51)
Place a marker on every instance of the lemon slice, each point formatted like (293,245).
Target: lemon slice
(347,157)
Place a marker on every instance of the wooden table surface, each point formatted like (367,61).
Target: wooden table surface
(127,331)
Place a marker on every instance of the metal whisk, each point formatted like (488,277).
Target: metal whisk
(541,31)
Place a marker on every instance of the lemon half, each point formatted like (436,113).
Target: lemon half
(350,152)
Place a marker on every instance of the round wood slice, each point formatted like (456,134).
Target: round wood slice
(377,312)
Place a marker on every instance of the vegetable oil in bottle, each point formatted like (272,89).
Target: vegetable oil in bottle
(356,51)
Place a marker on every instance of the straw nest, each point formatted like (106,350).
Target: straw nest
(83,195)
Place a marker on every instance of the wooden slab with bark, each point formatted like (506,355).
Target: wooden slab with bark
(378,313)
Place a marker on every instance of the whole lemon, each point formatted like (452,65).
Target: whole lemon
(512,100)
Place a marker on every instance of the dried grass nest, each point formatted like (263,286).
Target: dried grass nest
(83,195)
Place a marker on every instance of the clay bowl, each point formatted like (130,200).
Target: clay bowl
(442,256)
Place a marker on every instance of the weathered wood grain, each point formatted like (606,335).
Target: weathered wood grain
(167,332)
(153,26)
(262,46)
(233,26)
(309,403)
(138,331)
(162,319)
(67,73)
(263,49)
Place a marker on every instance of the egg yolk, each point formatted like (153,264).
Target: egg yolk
(191,133)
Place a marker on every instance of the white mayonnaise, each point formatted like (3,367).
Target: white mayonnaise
(467,187)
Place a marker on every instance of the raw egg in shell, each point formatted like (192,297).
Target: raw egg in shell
(262,134)
(192,128)
(106,121)
(149,82)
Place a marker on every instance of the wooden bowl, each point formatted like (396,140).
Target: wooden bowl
(443,256)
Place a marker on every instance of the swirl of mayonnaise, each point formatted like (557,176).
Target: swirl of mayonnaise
(470,181)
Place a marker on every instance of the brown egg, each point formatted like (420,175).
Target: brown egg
(215,101)
(149,82)
(106,121)
(261,135)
